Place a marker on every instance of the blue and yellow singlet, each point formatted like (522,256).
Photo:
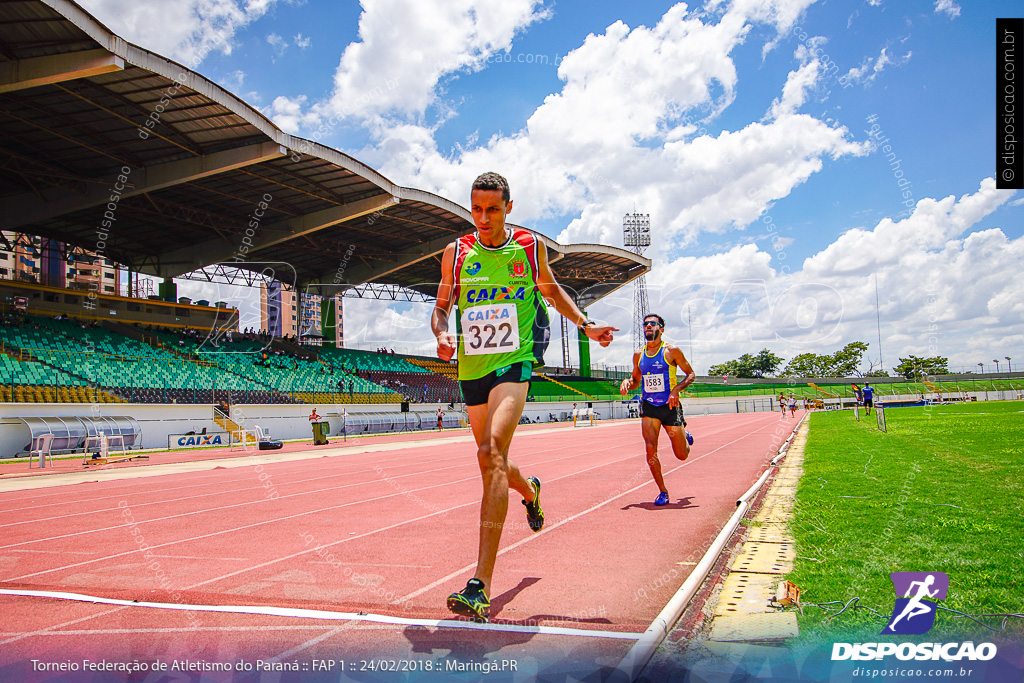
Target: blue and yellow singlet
(658,375)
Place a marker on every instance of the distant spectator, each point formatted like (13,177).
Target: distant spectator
(869,397)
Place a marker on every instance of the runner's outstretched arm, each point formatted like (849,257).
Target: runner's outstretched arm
(446,347)
(553,292)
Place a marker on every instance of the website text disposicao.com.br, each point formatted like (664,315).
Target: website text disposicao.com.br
(909,654)
(901,673)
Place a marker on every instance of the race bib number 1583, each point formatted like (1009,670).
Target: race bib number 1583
(490,329)
(654,384)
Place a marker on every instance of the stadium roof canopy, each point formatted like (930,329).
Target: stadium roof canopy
(87,118)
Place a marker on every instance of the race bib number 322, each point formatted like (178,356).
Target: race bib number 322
(490,329)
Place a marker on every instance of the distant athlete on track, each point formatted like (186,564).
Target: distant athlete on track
(654,368)
(498,277)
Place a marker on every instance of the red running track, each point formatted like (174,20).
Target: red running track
(385,528)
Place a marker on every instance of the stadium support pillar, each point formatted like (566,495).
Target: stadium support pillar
(167,290)
(330,320)
(584,353)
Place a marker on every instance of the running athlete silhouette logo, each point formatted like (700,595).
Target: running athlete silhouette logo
(914,613)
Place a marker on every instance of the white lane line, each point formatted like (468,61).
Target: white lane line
(376,531)
(220,492)
(343,470)
(468,567)
(45,631)
(339,468)
(308,644)
(473,477)
(205,466)
(255,501)
(326,615)
(168,629)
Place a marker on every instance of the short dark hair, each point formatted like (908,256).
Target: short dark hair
(661,321)
(492,181)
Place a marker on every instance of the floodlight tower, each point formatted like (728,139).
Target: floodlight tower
(636,235)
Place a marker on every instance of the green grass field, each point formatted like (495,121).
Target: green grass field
(941,491)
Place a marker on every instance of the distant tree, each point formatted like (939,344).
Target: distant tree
(731,367)
(764,364)
(914,368)
(842,363)
(846,361)
(806,365)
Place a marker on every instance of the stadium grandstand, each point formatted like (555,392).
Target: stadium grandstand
(120,168)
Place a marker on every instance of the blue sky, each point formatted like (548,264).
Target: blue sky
(742,127)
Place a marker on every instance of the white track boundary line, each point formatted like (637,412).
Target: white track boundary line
(326,615)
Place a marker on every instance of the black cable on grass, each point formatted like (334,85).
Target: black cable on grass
(1002,625)
(853,602)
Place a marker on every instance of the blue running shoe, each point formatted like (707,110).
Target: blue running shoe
(689,438)
(662,498)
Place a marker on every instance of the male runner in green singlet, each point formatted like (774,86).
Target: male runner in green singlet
(498,277)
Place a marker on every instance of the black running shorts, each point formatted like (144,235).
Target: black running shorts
(669,416)
(476,391)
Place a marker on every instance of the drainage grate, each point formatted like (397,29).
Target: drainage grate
(766,558)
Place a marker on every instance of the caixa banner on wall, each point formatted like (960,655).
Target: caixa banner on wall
(197,440)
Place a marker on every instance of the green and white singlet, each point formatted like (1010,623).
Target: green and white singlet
(502,318)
